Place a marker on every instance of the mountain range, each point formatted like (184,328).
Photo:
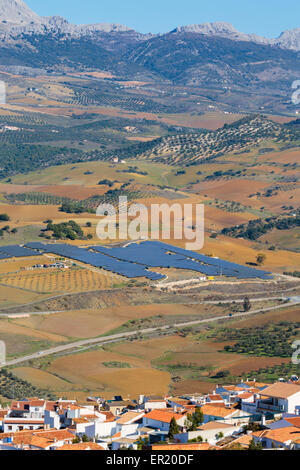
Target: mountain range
(210,55)
(16,17)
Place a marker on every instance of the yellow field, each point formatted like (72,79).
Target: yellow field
(10,296)
(8,327)
(42,379)
(93,322)
(57,280)
(90,373)
(18,264)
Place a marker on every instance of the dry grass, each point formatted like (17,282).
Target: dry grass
(91,373)
(42,379)
(11,327)
(10,296)
(93,322)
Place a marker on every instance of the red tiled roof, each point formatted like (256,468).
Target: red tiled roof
(165,416)
(81,446)
(175,447)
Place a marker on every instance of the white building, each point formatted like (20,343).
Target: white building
(279,398)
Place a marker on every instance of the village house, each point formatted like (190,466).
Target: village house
(210,432)
(36,424)
(227,414)
(160,419)
(153,402)
(279,398)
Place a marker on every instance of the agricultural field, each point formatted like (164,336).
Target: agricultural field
(60,280)
(185,362)
(60,137)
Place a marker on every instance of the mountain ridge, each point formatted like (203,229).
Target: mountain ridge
(17,18)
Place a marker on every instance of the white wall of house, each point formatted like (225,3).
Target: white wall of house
(235,418)
(270,443)
(51,419)
(11,426)
(155,405)
(210,434)
(101,429)
(118,445)
(127,429)
(153,423)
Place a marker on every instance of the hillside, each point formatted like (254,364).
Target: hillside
(211,64)
(195,148)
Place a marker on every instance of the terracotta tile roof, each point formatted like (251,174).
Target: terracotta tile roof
(81,446)
(40,442)
(82,420)
(109,415)
(281,390)
(214,425)
(51,436)
(174,447)
(51,406)
(294,421)
(254,383)
(215,410)
(70,406)
(245,395)
(181,402)
(282,435)
(244,441)
(165,416)
(37,403)
(3,413)
(58,434)
(214,397)
(130,417)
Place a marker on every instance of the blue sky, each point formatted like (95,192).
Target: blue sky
(264,17)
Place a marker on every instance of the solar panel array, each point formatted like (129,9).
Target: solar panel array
(15,251)
(98,260)
(135,259)
(162,255)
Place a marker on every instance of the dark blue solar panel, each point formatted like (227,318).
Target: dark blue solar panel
(158,254)
(15,251)
(135,259)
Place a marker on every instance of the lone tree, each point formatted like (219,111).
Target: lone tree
(173,428)
(193,421)
(261,258)
(255,446)
(247,304)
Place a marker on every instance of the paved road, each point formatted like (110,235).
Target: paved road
(145,331)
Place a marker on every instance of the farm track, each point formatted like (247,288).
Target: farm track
(188,298)
(147,331)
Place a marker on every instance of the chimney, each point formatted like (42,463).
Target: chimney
(263,421)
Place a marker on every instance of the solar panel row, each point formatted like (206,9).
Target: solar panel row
(158,254)
(134,260)
(99,260)
(15,251)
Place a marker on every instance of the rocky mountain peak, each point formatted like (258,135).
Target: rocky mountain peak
(16,12)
